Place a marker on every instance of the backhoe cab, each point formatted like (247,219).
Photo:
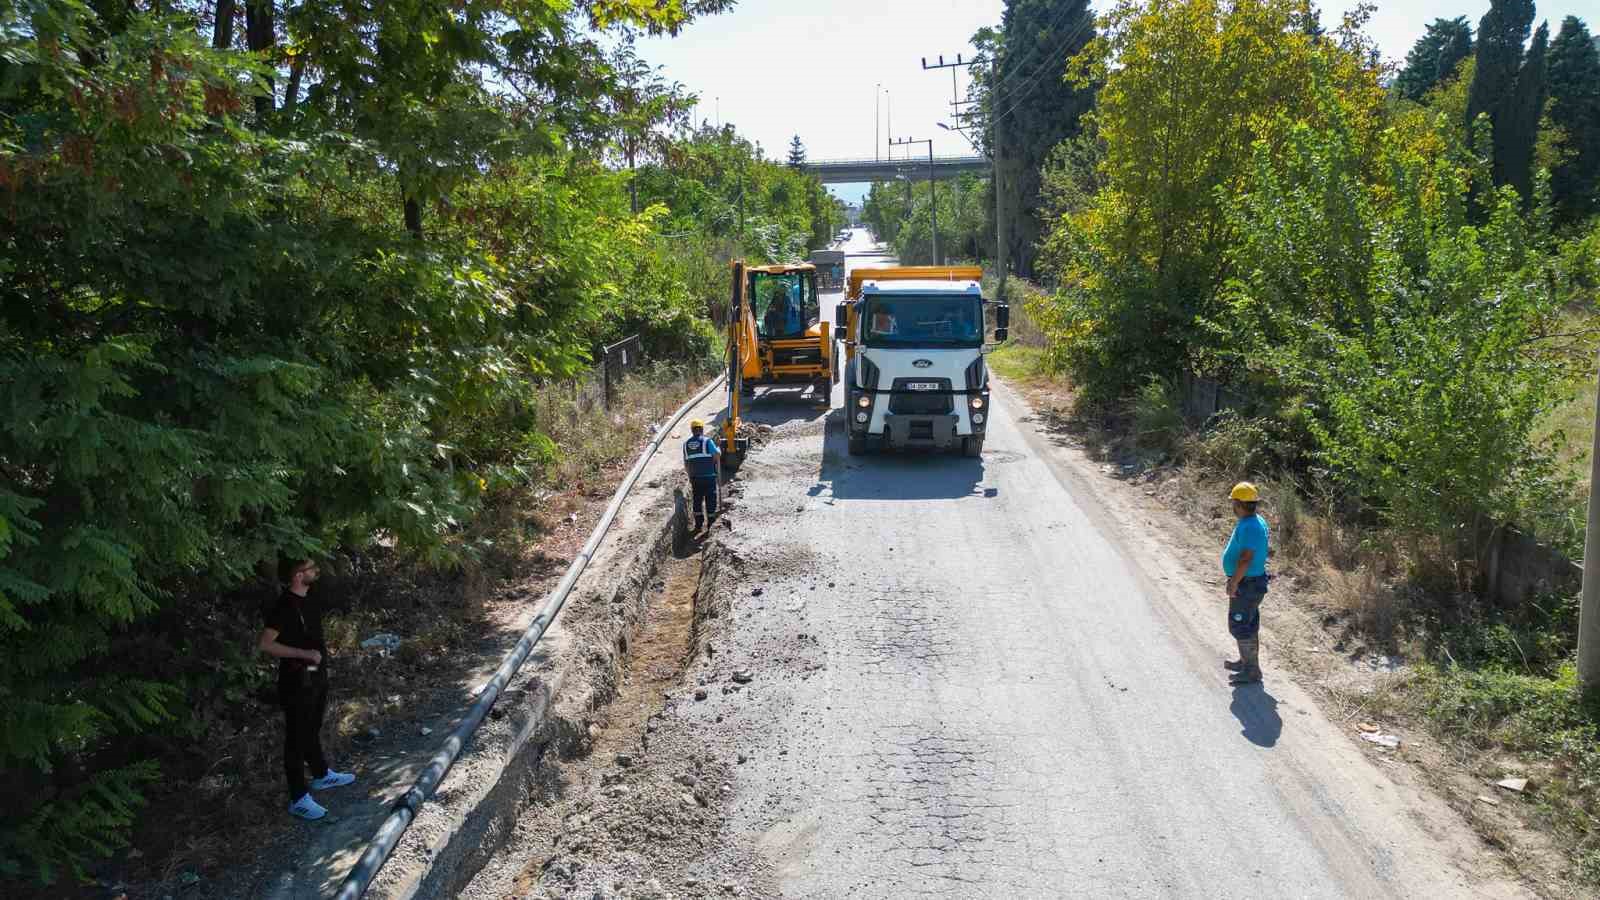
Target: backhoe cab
(775,336)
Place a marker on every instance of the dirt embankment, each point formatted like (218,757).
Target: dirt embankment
(640,806)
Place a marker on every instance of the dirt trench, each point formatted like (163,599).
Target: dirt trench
(637,808)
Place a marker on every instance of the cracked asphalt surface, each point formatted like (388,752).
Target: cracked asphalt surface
(966,681)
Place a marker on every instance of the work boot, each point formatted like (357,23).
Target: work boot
(1250,656)
(1235,665)
(699,523)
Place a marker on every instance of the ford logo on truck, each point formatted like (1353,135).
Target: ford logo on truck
(922,363)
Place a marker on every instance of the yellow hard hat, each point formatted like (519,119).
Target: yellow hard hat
(697,423)
(1245,492)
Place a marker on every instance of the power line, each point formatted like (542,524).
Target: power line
(1021,66)
(1034,81)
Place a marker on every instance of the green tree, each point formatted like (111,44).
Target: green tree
(1189,88)
(1494,93)
(1434,57)
(222,343)
(1033,105)
(1574,78)
(797,153)
(1528,111)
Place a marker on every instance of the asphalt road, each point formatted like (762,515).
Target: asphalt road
(926,675)
(969,686)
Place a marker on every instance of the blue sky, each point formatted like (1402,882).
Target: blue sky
(776,68)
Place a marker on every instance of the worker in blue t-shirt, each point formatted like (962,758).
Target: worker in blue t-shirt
(702,460)
(1244,561)
(794,314)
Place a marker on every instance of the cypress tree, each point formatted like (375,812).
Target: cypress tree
(1038,108)
(1456,49)
(1501,34)
(1574,80)
(1434,57)
(1517,152)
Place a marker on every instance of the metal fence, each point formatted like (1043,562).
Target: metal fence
(595,388)
(618,360)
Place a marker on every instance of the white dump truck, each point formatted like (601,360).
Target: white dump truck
(914,374)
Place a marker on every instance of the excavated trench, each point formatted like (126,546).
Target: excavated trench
(621,801)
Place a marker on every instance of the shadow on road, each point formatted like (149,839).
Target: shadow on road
(1257,711)
(781,405)
(897,475)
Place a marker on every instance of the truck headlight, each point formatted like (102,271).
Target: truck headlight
(976,400)
(977,418)
(864,401)
(861,417)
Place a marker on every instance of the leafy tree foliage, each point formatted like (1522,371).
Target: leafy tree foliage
(1434,57)
(1256,211)
(901,213)
(1183,84)
(278,298)
(1574,79)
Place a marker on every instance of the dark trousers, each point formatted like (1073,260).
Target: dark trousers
(303,709)
(1244,609)
(705,495)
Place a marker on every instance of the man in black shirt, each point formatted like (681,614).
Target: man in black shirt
(293,634)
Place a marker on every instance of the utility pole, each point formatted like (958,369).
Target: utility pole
(1589,611)
(888,125)
(1002,228)
(933,192)
(1002,237)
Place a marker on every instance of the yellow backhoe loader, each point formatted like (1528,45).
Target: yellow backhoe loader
(776,335)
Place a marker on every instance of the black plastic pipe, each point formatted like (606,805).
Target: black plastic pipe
(387,837)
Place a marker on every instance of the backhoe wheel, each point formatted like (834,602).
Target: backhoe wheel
(972,447)
(858,444)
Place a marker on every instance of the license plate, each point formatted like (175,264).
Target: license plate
(922,386)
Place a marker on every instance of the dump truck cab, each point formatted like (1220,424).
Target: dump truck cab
(915,375)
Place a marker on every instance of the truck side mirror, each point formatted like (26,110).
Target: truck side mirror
(1000,334)
(1002,317)
(841,315)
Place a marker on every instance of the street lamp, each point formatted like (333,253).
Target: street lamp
(888,124)
(877,116)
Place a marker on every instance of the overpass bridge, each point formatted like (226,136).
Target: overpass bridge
(851,171)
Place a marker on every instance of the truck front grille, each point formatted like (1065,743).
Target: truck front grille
(905,401)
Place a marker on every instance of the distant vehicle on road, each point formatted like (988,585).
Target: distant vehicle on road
(915,374)
(830,268)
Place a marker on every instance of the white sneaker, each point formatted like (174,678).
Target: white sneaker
(332,780)
(307,808)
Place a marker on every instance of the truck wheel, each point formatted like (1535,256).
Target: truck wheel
(858,444)
(972,447)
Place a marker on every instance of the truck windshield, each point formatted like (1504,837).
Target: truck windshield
(924,320)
